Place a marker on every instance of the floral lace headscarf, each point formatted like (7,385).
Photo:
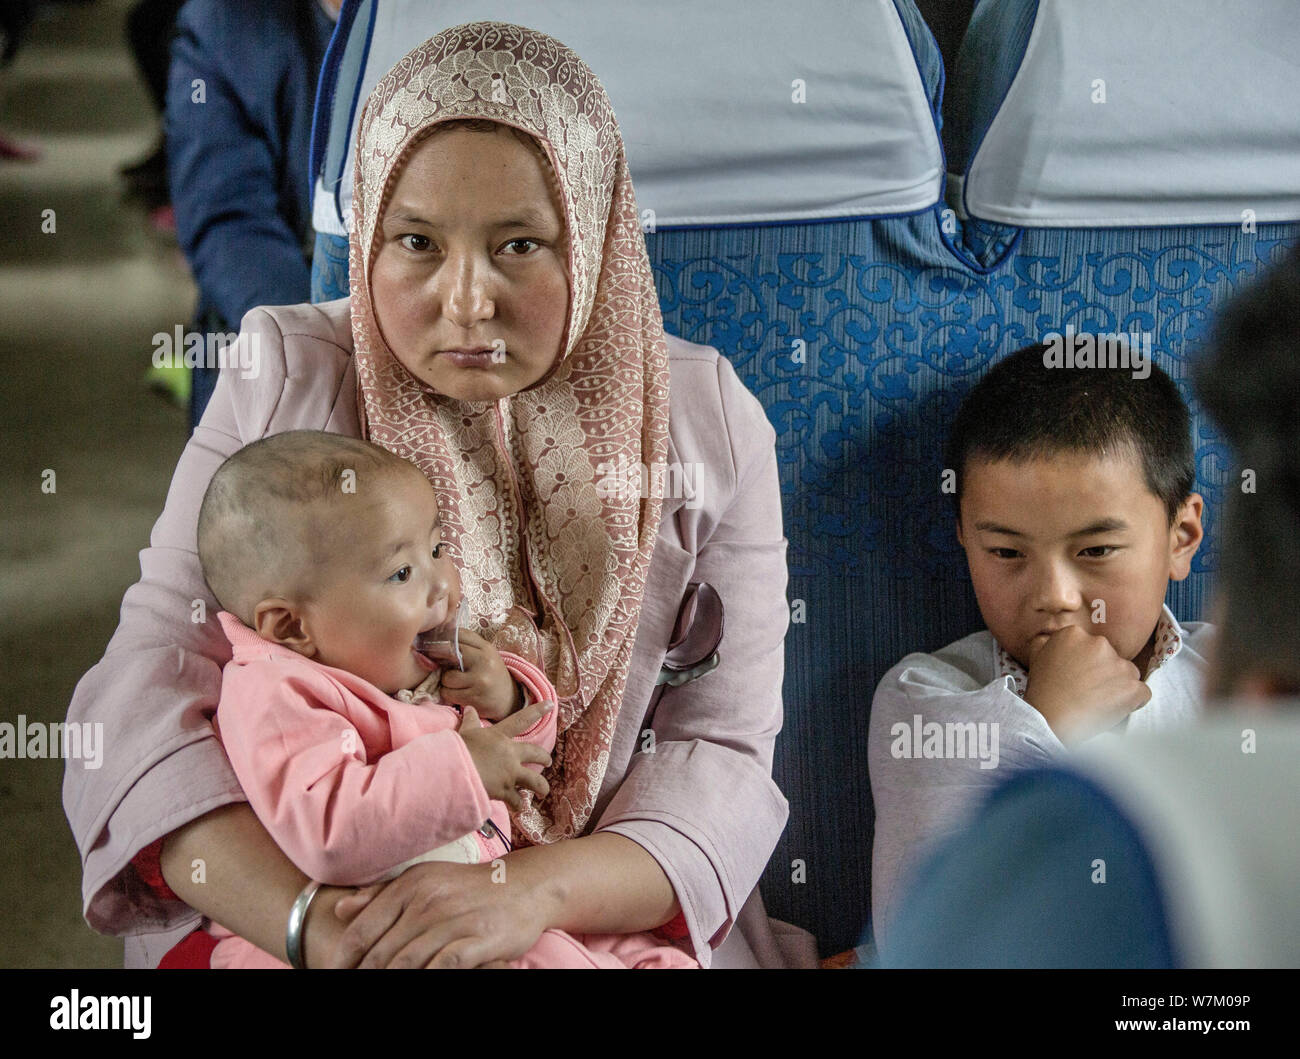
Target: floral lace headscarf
(553,567)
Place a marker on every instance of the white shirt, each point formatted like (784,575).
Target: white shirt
(947,727)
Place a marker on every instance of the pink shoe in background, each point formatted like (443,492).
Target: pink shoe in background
(18,150)
(162,219)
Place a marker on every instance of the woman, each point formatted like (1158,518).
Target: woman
(504,333)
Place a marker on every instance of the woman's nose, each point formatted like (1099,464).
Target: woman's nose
(468,297)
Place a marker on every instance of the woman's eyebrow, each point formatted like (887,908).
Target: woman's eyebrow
(526,218)
(405,216)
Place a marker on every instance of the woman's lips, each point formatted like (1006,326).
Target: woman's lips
(482,358)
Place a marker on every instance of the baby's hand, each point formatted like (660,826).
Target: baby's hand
(500,760)
(1081,686)
(485,683)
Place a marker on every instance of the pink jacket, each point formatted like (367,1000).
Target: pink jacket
(351,782)
(703,804)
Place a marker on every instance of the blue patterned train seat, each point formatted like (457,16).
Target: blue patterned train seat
(822,259)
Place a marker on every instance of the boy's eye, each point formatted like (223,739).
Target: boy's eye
(1098,551)
(402,576)
(1004,553)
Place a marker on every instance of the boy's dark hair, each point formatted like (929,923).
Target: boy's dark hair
(1023,409)
(1250,383)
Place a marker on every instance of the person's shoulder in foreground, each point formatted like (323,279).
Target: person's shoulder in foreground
(1169,849)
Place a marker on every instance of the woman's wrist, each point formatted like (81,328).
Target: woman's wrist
(599,883)
(321,928)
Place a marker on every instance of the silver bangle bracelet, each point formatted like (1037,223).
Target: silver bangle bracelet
(297,917)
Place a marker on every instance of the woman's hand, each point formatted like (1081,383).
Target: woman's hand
(442,915)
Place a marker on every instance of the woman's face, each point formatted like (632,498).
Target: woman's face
(470,283)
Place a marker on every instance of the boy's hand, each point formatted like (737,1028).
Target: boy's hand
(500,760)
(1081,686)
(485,683)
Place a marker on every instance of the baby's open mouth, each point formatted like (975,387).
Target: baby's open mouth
(446,634)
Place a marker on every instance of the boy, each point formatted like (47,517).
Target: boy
(1198,827)
(1075,509)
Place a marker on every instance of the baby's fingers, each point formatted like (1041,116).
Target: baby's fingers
(529,754)
(518,723)
(535,782)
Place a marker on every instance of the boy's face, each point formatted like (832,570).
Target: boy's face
(1072,539)
(389,581)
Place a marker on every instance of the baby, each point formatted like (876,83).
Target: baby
(360,755)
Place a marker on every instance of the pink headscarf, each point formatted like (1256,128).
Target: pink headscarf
(552,569)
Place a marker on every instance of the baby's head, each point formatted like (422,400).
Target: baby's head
(1074,500)
(330,546)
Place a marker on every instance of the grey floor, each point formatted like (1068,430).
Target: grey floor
(77,309)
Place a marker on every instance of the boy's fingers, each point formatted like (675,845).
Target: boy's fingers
(469,718)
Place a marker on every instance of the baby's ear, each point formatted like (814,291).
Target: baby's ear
(1185,537)
(278,620)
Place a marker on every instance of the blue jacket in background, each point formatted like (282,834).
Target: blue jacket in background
(238,161)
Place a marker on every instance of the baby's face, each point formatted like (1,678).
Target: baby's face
(389,581)
(1068,540)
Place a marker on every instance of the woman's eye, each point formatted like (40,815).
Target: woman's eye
(1098,551)
(402,576)
(526,243)
(437,550)
(423,243)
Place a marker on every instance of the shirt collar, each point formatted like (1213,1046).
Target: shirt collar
(1168,642)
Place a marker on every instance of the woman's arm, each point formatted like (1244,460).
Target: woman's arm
(226,865)
(454,915)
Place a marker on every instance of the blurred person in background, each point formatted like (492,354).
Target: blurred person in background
(15,17)
(150,26)
(240,94)
(1178,849)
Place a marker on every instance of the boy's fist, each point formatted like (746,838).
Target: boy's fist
(485,683)
(501,761)
(1081,686)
